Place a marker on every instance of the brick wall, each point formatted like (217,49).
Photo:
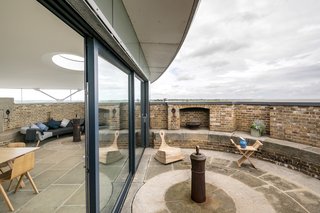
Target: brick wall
(246,114)
(124,112)
(24,114)
(222,118)
(300,124)
(158,116)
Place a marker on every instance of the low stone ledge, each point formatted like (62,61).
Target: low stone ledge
(296,156)
(10,136)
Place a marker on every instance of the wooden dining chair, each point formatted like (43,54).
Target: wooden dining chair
(11,145)
(7,165)
(20,167)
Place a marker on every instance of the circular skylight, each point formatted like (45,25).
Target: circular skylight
(69,61)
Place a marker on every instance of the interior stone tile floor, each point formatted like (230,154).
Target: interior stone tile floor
(59,176)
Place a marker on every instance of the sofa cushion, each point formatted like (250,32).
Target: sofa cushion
(42,126)
(52,124)
(33,126)
(64,122)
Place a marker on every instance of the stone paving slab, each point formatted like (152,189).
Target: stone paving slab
(310,201)
(72,209)
(46,178)
(279,182)
(50,199)
(270,191)
(17,199)
(75,176)
(280,201)
(156,170)
(248,179)
(68,162)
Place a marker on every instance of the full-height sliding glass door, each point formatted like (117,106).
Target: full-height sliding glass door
(115,131)
(139,143)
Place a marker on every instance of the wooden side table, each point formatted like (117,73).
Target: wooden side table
(76,130)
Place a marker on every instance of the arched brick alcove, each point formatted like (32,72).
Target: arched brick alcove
(194,115)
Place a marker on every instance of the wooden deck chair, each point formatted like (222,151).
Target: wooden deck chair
(246,152)
(167,154)
(20,168)
(110,154)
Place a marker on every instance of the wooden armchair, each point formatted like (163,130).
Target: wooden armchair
(110,154)
(167,154)
(20,167)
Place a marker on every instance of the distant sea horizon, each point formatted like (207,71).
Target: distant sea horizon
(234,100)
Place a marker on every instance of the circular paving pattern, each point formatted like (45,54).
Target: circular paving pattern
(155,196)
(178,199)
(163,188)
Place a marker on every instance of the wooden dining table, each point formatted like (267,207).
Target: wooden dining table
(9,154)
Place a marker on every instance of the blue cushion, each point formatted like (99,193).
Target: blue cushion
(52,124)
(42,126)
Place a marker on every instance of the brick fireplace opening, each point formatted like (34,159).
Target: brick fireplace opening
(194,118)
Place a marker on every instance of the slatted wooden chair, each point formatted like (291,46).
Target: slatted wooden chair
(11,145)
(247,152)
(6,166)
(20,167)
(110,154)
(167,154)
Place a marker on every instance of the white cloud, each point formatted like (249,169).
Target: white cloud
(247,49)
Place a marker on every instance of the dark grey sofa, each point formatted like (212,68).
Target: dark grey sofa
(33,135)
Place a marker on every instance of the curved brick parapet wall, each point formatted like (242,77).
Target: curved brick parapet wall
(298,123)
(295,156)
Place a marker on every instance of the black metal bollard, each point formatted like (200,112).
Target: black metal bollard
(198,182)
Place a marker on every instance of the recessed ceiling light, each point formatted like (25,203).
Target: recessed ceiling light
(69,61)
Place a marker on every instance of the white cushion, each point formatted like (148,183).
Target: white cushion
(33,126)
(64,122)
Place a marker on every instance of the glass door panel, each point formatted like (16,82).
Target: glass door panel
(113,132)
(139,146)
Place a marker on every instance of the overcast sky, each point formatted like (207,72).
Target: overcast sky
(247,49)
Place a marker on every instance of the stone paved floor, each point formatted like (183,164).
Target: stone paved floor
(270,188)
(59,176)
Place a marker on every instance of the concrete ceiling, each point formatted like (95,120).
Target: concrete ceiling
(161,26)
(30,36)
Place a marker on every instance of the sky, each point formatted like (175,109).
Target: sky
(247,49)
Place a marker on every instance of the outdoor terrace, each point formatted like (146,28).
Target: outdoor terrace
(60,177)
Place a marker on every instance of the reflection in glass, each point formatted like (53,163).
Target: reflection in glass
(113,132)
(139,144)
